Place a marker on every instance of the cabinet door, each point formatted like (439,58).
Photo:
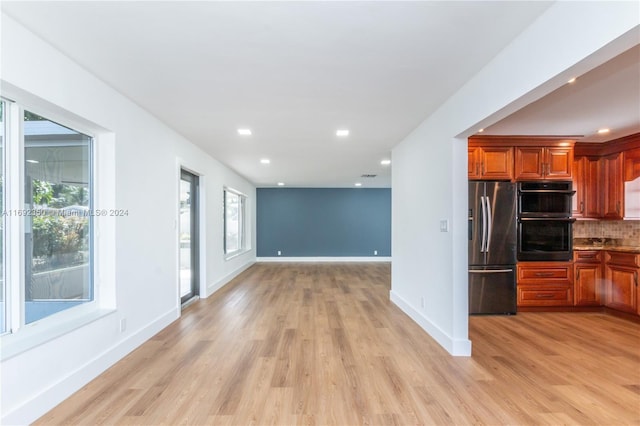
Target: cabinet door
(558,163)
(613,207)
(496,163)
(579,185)
(529,161)
(587,285)
(621,288)
(474,163)
(632,164)
(593,188)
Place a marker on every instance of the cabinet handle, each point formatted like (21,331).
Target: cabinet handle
(477,168)
(544,274)
(578,275)
(618,207)
(581,206)
(544,296)
(483,169)
(635,277)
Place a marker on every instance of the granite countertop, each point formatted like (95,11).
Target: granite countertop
(613,244)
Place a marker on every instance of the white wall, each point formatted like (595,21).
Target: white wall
(429,166)
(144,178)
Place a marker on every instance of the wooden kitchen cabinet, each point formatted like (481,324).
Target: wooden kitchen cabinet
(621,281)
(613,193)
(587,268)
(542,284)
(587,201)
(577,204)
(490,163)
(543,163)
(632,164)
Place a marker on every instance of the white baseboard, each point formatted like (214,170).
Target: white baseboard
(212,288)
(40,404)
(456,347)
(326,259)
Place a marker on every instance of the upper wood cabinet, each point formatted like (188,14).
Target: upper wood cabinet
(545,163)
(491,163)
(632,164)
(520,158)
(613,194)
(587,174)
(632,184)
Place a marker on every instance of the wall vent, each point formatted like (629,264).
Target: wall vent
(368,176)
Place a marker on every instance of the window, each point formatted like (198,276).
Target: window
(51,218)
(3,290)
(234,226)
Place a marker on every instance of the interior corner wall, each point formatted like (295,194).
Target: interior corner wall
(147,156)
(429,269)
(323,222)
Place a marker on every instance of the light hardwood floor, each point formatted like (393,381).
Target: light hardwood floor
(288,344)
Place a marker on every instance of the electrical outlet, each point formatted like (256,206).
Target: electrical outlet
(375,252)
(444,226)
(279,252)
(123,325)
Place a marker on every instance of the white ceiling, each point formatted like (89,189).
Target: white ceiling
(607,97)
(295,72)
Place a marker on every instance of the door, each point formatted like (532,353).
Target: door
(477,232)
(501,223)
(188,237)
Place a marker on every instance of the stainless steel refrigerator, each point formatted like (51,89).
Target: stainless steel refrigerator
(492,247)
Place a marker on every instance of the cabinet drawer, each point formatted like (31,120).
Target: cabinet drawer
(623,259)
(553,272)
(545,296)
(587,256)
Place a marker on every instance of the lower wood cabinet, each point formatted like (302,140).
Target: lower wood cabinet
(587,271)
(621,281)
(545,284)
(594,278)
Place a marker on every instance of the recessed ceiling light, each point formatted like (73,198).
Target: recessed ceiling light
(480,130)
(571,80)
(342,133)
(33,161)
(244,132)
(358,184)
(385,162)
(280,183)
(603,131)
(265,161)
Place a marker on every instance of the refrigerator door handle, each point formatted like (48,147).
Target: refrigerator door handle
(490,271)
(489,222)
(484,225)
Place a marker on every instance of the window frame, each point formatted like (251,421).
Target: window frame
(19,336)
(3,277)
(242,240)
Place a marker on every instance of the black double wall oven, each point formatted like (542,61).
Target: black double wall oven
(544,221)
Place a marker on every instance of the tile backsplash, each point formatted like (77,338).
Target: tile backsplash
(620,229)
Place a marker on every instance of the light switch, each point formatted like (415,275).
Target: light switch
(444,226)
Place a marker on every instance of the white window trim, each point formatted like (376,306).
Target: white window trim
(24,337)
(244,241)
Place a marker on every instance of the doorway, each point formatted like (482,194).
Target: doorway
(188,238)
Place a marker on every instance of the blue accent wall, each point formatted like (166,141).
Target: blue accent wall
(320,222)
